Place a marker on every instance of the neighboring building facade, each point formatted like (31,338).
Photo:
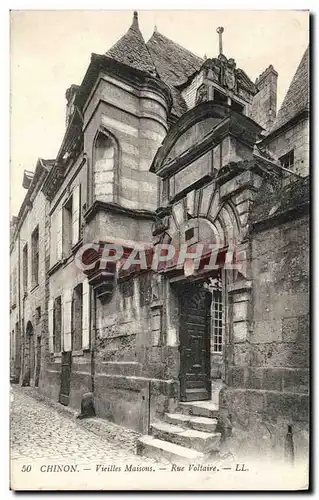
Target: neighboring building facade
(162,147)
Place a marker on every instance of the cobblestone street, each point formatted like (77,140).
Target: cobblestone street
(39,431)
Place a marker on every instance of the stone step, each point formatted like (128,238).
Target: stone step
(189,438)
(158,449)
(198,423)
(196,394)
(207,409)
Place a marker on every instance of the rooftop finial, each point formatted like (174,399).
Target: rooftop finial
(220,32)
(135,18)
(155,29)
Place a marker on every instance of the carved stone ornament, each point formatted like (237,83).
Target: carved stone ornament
(202,93)
(229,74)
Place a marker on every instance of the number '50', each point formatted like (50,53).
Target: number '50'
(26,468)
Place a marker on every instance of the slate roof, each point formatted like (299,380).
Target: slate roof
(160,57)
(174,63)
(297,97)
(132,50)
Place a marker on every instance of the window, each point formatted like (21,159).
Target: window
(165,193)
(217,321)
(77,318)
(35,256)
(25,267)
(71,220)
(104,160)
(236,106)
(12,345)
(38,315)
(67,227)
(14,287)
(57,324)
(287,160)
(219,97)
(189,234)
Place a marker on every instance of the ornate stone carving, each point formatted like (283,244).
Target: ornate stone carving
(202,93)
(229,75)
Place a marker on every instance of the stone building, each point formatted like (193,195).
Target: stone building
(164,148)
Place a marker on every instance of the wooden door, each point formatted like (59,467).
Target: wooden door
(31,355)
(195,343)
(65,377)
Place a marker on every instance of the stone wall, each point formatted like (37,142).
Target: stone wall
(268,374)
(294,138)
(137,123)
(135,379)
(61,282)
(263,108)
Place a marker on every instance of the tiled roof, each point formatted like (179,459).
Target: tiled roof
(132,50)
(174,63)
(297,97)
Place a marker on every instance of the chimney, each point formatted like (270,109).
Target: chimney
(264,105)
(70,96)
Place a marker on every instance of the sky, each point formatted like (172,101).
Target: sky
(50,50)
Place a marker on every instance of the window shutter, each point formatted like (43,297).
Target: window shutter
(67,326)
(76,200)
(59,235)
(51,312)
(53,240)
(85,315)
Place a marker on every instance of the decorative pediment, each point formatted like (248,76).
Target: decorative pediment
(188,131)
(199,131)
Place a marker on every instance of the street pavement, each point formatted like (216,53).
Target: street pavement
(38,431)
